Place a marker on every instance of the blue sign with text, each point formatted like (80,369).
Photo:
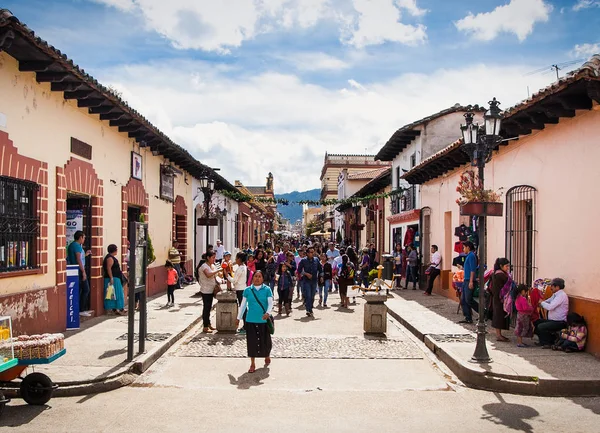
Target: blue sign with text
(72,297)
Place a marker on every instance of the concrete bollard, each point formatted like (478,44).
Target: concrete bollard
(375,313)
(227,311)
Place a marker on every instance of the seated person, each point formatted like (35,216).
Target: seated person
(573,338)
(457,279)
(558,307)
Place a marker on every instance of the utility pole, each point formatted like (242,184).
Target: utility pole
(556,68)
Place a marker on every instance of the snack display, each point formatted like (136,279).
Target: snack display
(38,346)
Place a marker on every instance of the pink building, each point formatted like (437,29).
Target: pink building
(549,175)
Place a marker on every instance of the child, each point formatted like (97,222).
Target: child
(325,280)
(227,267)
(524,326)
(573,338)
(284,285)
(171,284)
(251,265)
(457,280)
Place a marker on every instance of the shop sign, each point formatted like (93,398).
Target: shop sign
(74,223)
(72,296)
(167,186)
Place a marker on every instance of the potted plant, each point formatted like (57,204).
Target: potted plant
(474,200)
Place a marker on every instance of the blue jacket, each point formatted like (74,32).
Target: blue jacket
(312,267)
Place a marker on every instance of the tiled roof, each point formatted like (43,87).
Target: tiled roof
(257,189)
(403,136)
(575,91)
(367,175)
(51,65)
(380,182)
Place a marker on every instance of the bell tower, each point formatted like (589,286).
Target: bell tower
(269,188)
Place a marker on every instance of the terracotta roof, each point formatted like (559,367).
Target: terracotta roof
(257,189)
(576,91)
(370,174)
(403,136)
(51,65)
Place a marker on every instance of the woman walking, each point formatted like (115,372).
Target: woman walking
(398,260)
(112,273)
(345,278)
(208,282)
(258,300)
(500,285)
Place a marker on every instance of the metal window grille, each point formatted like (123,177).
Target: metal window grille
(19,224)
(521,232)
(408,200)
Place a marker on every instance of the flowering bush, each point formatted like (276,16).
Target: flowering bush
(470,189)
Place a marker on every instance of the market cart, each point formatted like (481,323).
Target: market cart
(35,388)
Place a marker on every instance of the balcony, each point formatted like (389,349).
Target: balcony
(405,202)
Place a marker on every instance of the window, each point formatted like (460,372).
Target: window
(413,160)
(19,224)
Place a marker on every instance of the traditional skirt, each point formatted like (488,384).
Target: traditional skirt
(524,326)
(119,302)
(258,340)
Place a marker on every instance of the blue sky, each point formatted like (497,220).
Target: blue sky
(270,85)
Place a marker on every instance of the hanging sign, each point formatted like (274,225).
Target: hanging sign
(72,297)
(167,186)
(74,223)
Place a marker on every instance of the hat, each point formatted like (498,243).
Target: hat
(226,253)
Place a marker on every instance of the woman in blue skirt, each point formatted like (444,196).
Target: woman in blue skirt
(112,273)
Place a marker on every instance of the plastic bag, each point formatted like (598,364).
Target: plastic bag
(110,293)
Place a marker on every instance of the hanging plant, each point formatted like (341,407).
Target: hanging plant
(151,257)
(471,190)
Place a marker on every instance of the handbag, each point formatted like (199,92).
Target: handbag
(270,319)
(110,293)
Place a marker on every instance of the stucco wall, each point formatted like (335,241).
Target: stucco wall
(561,163)
(41,124)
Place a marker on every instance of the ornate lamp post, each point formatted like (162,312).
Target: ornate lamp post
(207,185)
(479,144)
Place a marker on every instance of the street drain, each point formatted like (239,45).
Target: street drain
(452,338)
(149,337)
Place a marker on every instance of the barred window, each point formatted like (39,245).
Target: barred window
(19,224)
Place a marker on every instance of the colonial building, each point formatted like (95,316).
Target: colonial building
(547,168)
(406,148)
(333,164)
(256,221)
(75,156)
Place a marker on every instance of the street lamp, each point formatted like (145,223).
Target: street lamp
(207,185)
(479,145)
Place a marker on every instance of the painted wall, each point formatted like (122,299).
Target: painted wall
(41,124)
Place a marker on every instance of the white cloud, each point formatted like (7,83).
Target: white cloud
(221,25)
(586,50)
(378,21)
(585,4)
(277,122)
(518,17)
(314,61)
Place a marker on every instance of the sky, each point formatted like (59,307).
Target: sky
(258,86)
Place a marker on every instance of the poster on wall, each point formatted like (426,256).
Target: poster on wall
(74,223)
(136,165)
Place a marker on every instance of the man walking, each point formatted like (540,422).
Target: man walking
(219,251)
(469,284)
(309,270)
(332,255)
(434,268)
(76,256)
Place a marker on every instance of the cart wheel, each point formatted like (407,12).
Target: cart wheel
(36,389)
(3,402)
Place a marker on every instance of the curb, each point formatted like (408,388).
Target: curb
(505,383)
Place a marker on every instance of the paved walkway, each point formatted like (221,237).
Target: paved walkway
(530,370)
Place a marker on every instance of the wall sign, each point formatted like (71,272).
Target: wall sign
(136,166)
(167,186)
(80,148)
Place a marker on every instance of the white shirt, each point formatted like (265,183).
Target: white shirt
(207,284)
(336,263)
(239,277)
(219,252)
(436,260)
(557,306)
(332,255)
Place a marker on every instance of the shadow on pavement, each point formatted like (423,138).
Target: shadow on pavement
(248,380)
(114,352)
(590,403)
(18,415)
(512,416)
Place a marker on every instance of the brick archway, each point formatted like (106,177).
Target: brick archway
(15,165)
(81,177)
(132,194)
(180,225)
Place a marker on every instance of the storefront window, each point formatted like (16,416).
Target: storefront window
(19,224)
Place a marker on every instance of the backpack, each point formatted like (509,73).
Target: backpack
(347,272)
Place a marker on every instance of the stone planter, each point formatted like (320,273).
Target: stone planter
(480,208)
(227,311)
(375,320)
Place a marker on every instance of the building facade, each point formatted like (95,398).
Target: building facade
(547,170)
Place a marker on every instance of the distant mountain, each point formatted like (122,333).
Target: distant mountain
(293,211)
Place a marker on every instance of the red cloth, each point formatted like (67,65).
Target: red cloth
(458,247)
(535,297)
(409,236)
(171,277)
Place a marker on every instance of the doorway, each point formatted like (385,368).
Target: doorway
(133,215)
(79,217)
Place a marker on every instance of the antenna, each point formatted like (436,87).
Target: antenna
(556,68)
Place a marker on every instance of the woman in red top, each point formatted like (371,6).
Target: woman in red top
(171,284)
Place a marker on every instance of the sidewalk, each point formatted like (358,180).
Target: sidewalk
(531,370)
(96,353)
